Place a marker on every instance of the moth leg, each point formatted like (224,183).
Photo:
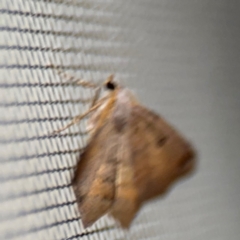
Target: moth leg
(96,96)
(98,91)
(73,79)
(78,118)
(95,100)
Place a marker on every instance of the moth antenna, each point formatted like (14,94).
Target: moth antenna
(78,118)
(71,78)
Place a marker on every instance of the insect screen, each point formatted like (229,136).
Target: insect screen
(181,58)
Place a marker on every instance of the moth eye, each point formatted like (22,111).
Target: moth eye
(161,141)
(110,85)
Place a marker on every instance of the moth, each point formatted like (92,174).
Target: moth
(133,155)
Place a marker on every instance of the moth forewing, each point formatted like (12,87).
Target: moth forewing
(94,180)
(133,155)
(126,201)
(159,153)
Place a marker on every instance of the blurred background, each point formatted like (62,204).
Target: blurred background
(181,58)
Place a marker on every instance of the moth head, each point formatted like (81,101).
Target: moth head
(110,84)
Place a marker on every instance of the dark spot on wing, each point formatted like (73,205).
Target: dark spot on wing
(112,160)
(80,198)
(161,141)
(108,179)
(120,123)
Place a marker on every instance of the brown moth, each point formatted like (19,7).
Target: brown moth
(133,155)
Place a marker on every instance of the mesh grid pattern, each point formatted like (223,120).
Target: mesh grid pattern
(182,60)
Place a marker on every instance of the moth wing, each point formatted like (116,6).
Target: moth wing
(160,155)
(94,180)
(126,202)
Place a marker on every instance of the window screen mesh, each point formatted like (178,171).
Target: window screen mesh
(180,57)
